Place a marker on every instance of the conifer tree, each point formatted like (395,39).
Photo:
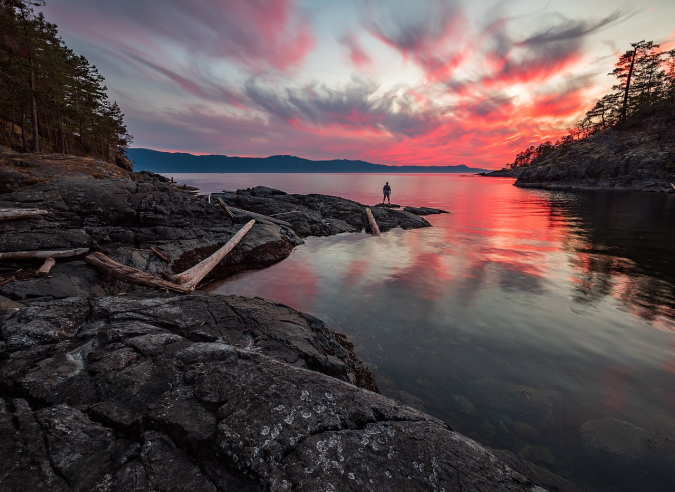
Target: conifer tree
(51,93)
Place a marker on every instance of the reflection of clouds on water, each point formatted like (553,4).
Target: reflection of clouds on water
(552,294)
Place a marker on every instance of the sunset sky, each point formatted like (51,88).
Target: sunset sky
(393,82)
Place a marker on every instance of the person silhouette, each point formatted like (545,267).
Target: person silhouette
(387,193)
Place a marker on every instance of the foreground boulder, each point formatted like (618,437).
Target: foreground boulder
(212,393)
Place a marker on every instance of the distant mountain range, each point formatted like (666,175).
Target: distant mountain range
(168,162)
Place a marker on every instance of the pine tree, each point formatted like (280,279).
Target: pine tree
(46,86)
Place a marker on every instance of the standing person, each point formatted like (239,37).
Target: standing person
(387,193)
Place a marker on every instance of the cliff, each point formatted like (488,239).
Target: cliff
(639,156)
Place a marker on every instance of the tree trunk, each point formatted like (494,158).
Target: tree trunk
(373,225)
(130,275)
(46,267)
(11,133)
(29,255)
(63,136)
(23,128)
(261,217)
(624,109)
(20,213)
(34,114)
(190,278)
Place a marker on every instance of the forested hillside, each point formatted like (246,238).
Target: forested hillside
(644,91)
(51,99)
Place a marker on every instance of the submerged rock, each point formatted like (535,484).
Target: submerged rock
(626,456)
(613,439)
(425,210)
(209,393)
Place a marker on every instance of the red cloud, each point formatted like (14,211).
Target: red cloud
(355,51)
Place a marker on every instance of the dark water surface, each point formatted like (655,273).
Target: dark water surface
(535,321)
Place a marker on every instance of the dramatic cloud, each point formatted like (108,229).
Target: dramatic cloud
(356,53)
(258,34)
(397,82)
(427,35)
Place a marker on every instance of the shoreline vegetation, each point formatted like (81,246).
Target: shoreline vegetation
(625,142)
(130,387)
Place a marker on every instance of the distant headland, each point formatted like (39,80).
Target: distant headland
(170,162)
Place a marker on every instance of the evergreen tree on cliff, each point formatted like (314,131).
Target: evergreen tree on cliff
(50,93)
(645,85)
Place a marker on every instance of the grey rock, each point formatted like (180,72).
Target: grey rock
(201,393)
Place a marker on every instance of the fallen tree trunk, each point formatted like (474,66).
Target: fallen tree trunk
(160,254)
(46,267)
(264,218)
(20,213)
(225,207)
(29,255)
(130,275)
(373,225)
(190,278)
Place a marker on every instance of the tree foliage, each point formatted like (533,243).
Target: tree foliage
(645,84)
(51,99)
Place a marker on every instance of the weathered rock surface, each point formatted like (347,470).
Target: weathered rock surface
(640,159)
(100,206)
(211,393)
(318,215)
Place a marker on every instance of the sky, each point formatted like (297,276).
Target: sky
(399,82)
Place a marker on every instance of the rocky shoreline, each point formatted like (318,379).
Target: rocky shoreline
(631,158)
(111,387)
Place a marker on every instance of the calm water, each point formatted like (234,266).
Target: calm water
(517,319)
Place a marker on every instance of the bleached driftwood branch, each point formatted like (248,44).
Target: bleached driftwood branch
(29,255)
(190,278)
(46,267)
(161,254)
(20,213)
(261,217)
(373,225)
(131,275)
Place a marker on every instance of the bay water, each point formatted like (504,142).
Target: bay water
(541,322)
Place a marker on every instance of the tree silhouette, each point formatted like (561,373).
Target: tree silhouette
(50,93)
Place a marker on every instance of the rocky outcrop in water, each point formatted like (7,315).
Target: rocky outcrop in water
(319,215)
(211,393)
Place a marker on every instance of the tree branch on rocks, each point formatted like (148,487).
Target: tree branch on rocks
(190,278)
(20,213)
(29,255)
(131,275)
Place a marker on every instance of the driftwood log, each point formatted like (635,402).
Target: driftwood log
(46,267)
(160,254)
(225,207)
(131,275)
(29,255)
(373,225)
(20,213)
(254,215)
(190,278)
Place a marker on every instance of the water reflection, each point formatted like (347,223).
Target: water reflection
(539,322)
